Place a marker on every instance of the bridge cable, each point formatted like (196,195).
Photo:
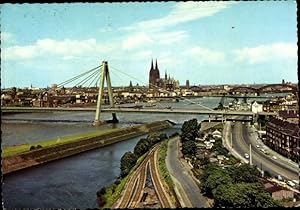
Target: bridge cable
(160,88)
(86,79)
(78,76)
(74,78)
(93,72)
(95,80)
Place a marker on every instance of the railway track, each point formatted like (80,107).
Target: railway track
(134,188)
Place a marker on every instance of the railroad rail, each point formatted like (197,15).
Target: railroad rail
(133,192)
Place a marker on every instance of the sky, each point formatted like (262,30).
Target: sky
(203,42)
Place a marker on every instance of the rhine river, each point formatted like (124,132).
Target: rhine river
(73,182)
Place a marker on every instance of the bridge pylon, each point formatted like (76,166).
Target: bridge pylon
(104,74)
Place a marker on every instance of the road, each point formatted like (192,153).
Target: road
(241,139)
(133,110)
(190,189)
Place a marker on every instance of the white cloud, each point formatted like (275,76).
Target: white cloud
(7,38)
(171,37)
(205,55)
(182,12)
(263,53)
(136,40)
(47,47)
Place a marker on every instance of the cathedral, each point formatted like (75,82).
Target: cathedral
(156,82)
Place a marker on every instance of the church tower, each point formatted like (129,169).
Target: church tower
(154,74)
(156,70)
(151,75)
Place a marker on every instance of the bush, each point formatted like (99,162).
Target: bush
(32,148)
(102,191)
(218,147)
(141,147)
(163,136)
(128,160)
(39,147)
(117,182)
(174,134)
(189,148)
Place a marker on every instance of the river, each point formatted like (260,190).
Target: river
(73,182)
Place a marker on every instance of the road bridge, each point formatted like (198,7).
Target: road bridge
(133,110)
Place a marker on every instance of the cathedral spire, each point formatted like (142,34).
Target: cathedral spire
(152,64)
(166,76)
(156,68)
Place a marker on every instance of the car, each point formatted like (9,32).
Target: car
(246,155)
(290,183)
(274,157)
(257,146)
(279,177)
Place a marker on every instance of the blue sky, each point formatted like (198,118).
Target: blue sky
(205,42)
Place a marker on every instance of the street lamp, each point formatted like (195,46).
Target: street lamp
(250,154)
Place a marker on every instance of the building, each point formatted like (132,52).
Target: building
(187,84)
(283,137)
(155,81)
(277,192)
(256,107)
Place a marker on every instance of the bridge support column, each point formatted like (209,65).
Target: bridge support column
(209,119)
(104,74)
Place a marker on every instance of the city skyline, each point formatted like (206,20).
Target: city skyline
(203,42)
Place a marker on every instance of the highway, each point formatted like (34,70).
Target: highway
(191,193)
(241,139)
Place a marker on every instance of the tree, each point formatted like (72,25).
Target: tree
(216,178)
(208,169)
(128,160)
(163,136)
(100,197)
(218,147)
(267,174)
(141,147)
(244,173)
(243,195)
(189,148)
(153,138)
(189,130)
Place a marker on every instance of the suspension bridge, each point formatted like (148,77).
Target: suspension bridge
(97,77)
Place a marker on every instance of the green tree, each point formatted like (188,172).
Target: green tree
(243,195)
(267,174)
(128,160)
(163,136)
(189,130)
(216,178)
(208,169)
(153,138)
(218,147)
(244,173)
(189,148)
(141,147)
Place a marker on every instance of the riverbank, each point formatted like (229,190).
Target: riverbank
(48,153)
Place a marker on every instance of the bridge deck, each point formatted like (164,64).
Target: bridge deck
(132,110)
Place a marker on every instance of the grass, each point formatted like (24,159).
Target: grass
(112,197)
(163,171)
(13,150)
